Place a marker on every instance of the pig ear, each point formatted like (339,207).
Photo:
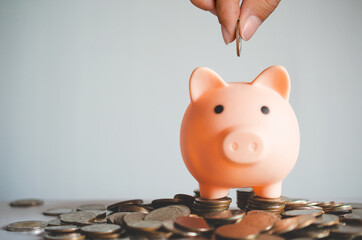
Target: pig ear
(275,77)
(203,79)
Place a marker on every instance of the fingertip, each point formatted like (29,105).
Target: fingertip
(251,24)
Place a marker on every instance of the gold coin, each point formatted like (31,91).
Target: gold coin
(115,206)
(26,203)
(26,226)
(133,208)
(163,202)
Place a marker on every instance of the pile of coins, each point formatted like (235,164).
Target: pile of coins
(203,206)
(186,216)
(243,196)
(275,205)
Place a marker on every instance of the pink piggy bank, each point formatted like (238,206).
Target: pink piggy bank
(236,135)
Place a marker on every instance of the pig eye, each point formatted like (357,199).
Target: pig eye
(218,109)
(264,109)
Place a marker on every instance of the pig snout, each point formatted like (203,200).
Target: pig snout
(242,146)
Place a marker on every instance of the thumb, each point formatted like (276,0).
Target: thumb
(252,15)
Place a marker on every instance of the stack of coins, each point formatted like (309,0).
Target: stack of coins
(204,206)
(242,197)
(275,205)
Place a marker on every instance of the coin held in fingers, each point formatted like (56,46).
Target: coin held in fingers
(238,38)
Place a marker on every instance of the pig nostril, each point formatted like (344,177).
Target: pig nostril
(234,146)
(253,146)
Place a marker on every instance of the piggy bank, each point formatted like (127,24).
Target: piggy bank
(239,134)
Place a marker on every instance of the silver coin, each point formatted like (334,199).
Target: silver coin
(101,228)
(57,211)
(165,214)
(75,217)
(133,217)
(85,207)
(145,225)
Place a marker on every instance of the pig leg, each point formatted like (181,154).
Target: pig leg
(269,191)
(212,192)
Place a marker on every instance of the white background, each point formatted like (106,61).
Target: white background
(92,94)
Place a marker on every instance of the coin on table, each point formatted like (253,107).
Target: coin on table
(85,207)
(77,217)
(99,229)
(62,229)
(117,218)
(163,202)
(238,38)
(165,213)
(225,216)
(26,203)
(215,202)
(145,225)
(57,211)
(26,226)
(194,224)
(170,226)
(69,236)
(305,220)
(294,213)
(346,231)
(115,206)
(355,205)
(133,208)
(260,219)
(312,233)
(56,222)
(340,209)
(354,217)
(269,237)
(326,220)
(133,217)
(285,225)
(237,231)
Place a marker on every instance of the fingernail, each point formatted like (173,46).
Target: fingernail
(251,25)
(225,35)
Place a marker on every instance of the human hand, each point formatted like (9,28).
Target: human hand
(251,13)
